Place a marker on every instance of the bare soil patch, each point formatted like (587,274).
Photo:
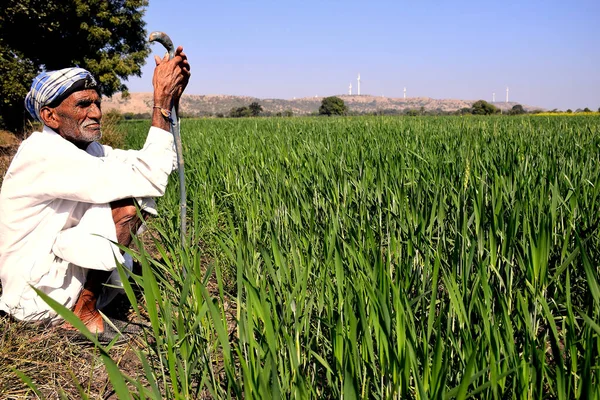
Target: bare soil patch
(58,366)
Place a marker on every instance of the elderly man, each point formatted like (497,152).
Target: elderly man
(66,199)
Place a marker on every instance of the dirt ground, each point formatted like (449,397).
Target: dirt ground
(58,366)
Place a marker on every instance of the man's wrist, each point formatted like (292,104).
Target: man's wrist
(166,113)
(162,102)
(162,119)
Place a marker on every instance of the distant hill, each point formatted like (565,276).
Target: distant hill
(140,103)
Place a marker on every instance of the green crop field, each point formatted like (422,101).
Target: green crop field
(377,258)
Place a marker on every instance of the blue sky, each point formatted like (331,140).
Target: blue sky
(546,52)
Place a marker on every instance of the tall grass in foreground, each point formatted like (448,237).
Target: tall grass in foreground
(380,258)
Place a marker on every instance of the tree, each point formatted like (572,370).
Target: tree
(255,109)
(464,111)
(517,109)
(332,105)
(587,110)
(106,37)
(482,107)
(239,112)
(16,74)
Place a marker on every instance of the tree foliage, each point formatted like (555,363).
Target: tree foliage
(106,37)
(333,105)
(255,109)
(517,109)
(482,107)
(464,111)
(239,112)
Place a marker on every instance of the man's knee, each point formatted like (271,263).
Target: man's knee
(126,219)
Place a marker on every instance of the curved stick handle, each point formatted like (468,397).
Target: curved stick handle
(165,40)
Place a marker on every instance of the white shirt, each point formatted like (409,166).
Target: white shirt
(54,202)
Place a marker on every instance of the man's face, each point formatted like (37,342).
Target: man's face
(79,117)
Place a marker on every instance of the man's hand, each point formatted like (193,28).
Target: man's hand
(170,78)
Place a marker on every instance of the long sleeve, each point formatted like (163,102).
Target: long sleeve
(79,176)
(90,243)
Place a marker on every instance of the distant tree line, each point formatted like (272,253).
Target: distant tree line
(569,111)
(254,110)
(333,105)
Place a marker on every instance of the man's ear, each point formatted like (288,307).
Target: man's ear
(49,117)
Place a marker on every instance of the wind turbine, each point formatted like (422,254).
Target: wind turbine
(507,94)
(358,79)
(494,97)
(350,89)
(404,93)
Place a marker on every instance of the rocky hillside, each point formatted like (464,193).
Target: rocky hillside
(140,103)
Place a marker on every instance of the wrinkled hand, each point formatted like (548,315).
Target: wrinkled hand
(170,78)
